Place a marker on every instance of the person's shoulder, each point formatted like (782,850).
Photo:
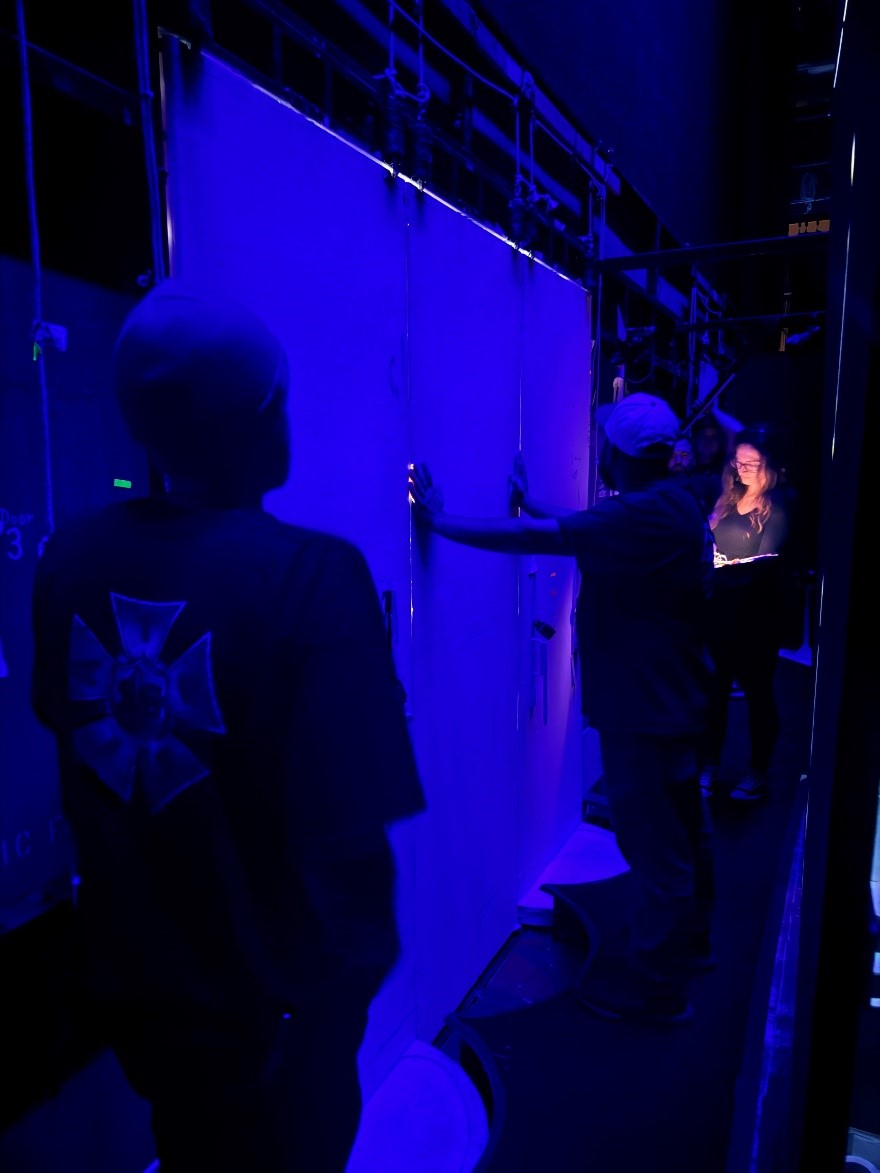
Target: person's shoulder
(603,509)
(77,531)
(327,560)
(784,494)
(783,498)
(666,491)
(92,520)
(706,484)
(321,543)
(608,502)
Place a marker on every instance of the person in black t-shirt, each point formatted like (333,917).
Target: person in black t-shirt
(232,750)
(645,558)
(752,525)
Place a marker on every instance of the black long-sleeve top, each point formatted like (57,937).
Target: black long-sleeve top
(747,597)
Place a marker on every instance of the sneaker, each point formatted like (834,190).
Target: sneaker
(709,780)
(751,788)
(618,1003)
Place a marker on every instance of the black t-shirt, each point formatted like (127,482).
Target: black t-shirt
(645,558)
(225,706)
(736,535)
(749,598)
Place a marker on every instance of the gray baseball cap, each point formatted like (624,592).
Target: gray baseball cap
(639,424)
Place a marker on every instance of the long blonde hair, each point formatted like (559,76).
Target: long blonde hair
(733,490)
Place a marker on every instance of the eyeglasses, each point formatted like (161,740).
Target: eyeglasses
(747,465)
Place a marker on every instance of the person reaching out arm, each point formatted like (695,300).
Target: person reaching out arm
(502,535)
(644,557)
(520,498)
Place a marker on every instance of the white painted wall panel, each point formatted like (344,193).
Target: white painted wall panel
(413,334)
(555,445)
(464,314)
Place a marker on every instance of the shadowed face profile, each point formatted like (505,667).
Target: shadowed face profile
(708,444)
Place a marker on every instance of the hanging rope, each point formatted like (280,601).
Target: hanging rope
(40,333)
(392,72)
(517,163)
(528,90)
(601,178)
(422,152)
(525,193)
(146,96)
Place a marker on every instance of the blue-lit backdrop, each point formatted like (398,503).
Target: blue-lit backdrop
(413,333)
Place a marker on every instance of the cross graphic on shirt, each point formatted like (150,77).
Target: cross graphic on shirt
(136,744)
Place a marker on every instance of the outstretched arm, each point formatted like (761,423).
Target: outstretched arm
(520,498)
(503,535)
(535,508)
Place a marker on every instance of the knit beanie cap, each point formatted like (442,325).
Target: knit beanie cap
(194,375)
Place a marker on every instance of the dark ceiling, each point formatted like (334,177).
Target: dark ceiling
(716,119)
(709,108)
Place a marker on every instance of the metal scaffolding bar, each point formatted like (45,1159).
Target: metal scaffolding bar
(705,253)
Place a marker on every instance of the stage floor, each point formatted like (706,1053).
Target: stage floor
(566,1092)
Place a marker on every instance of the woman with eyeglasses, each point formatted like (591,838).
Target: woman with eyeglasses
(751,524)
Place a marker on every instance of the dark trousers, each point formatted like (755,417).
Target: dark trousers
(247,1095)
(664,834)
(752,664)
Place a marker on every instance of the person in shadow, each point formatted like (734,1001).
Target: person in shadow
(712,436)
(682,458)
(752,526)
(232,750)
(644,555)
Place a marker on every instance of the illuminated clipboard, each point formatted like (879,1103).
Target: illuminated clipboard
(722,559)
